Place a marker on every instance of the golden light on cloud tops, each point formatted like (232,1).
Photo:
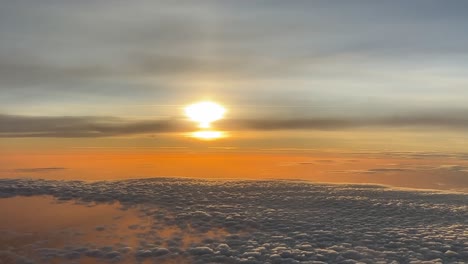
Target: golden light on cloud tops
(205,113)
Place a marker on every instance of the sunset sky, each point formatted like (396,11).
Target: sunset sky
(340,91)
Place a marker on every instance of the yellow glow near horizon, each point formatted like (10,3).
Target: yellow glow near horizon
(204,113)
(208,134)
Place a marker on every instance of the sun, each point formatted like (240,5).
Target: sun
(205,113)
(207,134)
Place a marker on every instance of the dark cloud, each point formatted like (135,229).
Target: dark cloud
(27,126)
(375,171)
(314,162)
(436,169)
(436,176)
(39,170)
(460,122)
(34,126)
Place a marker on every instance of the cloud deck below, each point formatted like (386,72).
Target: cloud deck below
(260,222)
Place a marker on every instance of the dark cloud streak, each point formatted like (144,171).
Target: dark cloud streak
(345,123)
(29,126)
(38,170)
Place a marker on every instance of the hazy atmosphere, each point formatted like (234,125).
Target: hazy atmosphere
(104,105)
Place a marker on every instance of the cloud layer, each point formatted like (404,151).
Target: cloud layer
(58,54)
(39,170)
(36,126)
(264,222)
(26,126)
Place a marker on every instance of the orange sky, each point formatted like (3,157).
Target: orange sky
(93,96)
(399,169)
(399,158)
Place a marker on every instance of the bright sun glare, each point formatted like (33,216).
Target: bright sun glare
(207,134)
(204,113)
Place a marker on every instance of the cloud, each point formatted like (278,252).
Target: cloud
(374,170)
(89,126)
(156,50)
(40,170)
(453,122)
(435,176)
(416,168)
(28,126)
(257,222)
